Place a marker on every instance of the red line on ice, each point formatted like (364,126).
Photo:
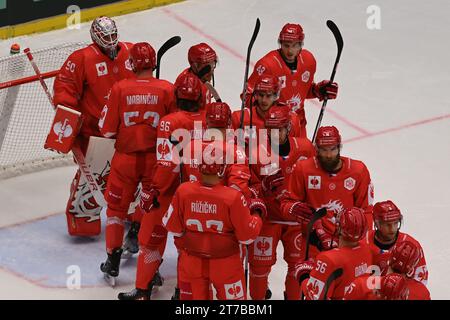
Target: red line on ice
(405,126)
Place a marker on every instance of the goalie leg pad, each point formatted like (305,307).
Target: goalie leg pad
(82,211)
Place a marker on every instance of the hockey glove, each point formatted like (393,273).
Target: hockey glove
(303,269)
(301,212)
(325,90)
(327,241)
(258,206)
(270,183)
(149,198)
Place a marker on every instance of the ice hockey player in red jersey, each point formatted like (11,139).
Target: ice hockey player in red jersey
(83,84)
(270,181)
(209,221)
(295,67)
(267,93)
(352,256)
(155,199)
(132,116)
(388,219)
(406,256)
(202,63)
(371,287)
(327,180)
(237,172)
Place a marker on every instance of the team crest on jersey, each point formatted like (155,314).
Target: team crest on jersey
(234,291)
(421,274)
(282,81)
(263,246)
(163,149)
(102,69)
(314,288)
(305,76)
(314,182)
(260,69)
(295,102)
(349,183)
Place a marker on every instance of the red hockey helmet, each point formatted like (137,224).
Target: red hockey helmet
(213,159)
(268,84)
(291,32)
(352,224)
(218,115)
(142,56)
(202,54)
(394,287)
(404,257)
(386,211)
(188,87)
(104,33)
(328,136)
(277,117)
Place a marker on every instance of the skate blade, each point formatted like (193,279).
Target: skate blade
(110,280)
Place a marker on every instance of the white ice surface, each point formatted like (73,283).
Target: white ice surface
(388,78)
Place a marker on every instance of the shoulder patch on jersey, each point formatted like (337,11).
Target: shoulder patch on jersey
(283,81)
(314,182)
(163,149)
(260,69)
(349,183)
(305,76)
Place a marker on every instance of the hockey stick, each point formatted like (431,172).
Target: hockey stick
(316,216)
(210,86)
(340,44)
(76,150)
(166,46)
(247,65)
(336,274)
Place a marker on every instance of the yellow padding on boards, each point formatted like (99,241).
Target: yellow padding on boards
(60,21)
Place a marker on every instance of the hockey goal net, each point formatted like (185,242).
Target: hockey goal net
(25,112)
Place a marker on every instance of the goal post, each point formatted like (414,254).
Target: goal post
(25,113)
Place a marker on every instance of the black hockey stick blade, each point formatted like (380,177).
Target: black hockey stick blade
(336,274)
(318,214)
(247,65)
(340,45)
(166,46)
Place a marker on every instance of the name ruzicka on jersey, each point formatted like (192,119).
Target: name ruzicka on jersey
(203,207)
(142,99)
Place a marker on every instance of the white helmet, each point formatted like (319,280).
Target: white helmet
(104,34)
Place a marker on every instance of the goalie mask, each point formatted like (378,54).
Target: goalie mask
(104,34)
